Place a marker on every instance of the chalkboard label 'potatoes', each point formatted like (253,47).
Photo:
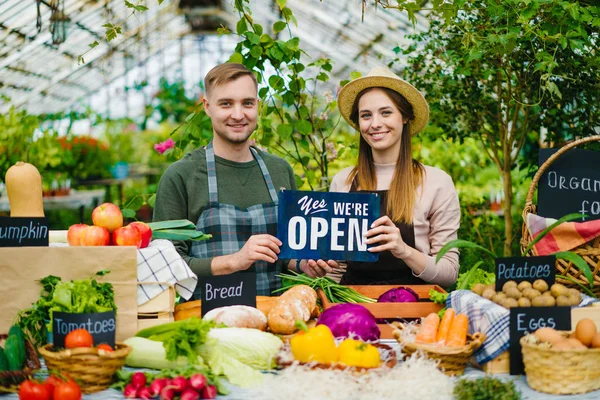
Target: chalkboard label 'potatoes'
(570,185)
(237,289)
(24,231)
(521,269)
(102,326)
(326,225)
(528,320)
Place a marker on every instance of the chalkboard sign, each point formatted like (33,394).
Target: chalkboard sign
(570,185)
(528,269)
(237,289)
(529,319)
(23,231)
(326,225)
(102,326)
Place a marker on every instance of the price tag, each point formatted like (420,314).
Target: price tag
(237,289)
(525,320)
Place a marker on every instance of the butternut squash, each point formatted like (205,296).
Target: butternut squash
(24,187)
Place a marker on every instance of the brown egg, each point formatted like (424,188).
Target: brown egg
(596,341)
(585,331)
(548,335)
(576,344)
(562,345)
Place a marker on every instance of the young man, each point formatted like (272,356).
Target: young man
(229,189)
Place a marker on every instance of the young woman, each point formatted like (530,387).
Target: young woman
(419,204)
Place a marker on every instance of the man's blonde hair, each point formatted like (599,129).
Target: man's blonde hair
(225,73)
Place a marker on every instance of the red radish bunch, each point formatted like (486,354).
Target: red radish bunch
(194,388)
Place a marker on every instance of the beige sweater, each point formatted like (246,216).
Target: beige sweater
(436,218)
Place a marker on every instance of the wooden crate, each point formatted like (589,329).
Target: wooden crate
(194,308)
(499,365)
(393,310)
(158,310)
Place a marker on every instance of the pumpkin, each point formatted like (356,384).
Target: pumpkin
(24,187)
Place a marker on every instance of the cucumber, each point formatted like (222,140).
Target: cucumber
(3,361)
(16,331)
(13,353)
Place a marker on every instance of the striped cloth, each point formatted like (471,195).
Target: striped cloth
(564,237)
(489,318)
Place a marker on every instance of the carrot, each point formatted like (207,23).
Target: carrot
(457,335)
(445,326)
(429,327)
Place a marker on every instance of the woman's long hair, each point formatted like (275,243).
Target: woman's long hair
(408,173)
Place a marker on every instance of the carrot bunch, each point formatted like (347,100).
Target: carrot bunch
(450,331)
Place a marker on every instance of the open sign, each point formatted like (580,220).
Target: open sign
(324,225)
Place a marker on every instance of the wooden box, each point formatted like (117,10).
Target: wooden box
(158,310)
(405,311)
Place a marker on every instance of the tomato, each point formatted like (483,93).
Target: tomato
(79,338)
(52,382)
(68,390)
(32,390)
(105,347)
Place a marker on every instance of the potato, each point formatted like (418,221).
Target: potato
(513,292)
(524,302)
(563,301)
(509,284)
(558,290)
(547,293)
(509,302)
(498,297)
(478,288)
(540,285)
(533,293)
(491,286)
(488,293)
(574,300)
(524,285)
(573,292)
(548,301)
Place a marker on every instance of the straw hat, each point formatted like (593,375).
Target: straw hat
(383,77)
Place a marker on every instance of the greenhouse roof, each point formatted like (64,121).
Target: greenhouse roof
(42,75)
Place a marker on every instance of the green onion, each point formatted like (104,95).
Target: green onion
(334,292)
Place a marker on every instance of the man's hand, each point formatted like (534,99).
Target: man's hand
(257,248)
(318,268)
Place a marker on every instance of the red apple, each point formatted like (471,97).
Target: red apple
(74,234)
(145,230)
(127,236)
(95,236)
(108,216)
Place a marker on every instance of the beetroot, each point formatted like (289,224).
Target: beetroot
(130,392)
(209,392)
(198,381)
(138,379)
(189,394)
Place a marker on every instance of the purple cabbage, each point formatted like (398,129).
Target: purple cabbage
(350,319)
(399,295)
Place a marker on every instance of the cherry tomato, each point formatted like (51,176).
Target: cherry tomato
(79,338)
(105,347)
(68,390)
(32,390)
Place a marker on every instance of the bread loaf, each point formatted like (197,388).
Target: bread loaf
(297,304)
(238,317)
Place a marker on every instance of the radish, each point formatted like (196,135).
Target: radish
(146,394)
(157,385)
(130,392)
(189,394)
(209,392)
(179,384)
(138,379)
(198,381)
(167,394)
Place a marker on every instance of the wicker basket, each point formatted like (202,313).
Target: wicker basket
(560,371)
(91,368)
(10,380)
(452,360)
(589,251)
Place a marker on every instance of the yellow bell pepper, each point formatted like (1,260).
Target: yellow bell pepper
(316,344)
(355,353)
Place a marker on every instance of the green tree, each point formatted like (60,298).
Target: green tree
(500,70)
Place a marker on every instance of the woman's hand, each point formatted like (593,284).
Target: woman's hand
(384,232)
(318,268)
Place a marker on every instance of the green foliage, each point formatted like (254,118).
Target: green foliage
(16,136)
(486,388)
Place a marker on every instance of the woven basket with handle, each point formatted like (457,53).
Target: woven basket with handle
(91,368)
(10,380)
(589,251)
(452,360)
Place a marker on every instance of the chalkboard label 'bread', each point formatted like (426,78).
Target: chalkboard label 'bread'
(571,184)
